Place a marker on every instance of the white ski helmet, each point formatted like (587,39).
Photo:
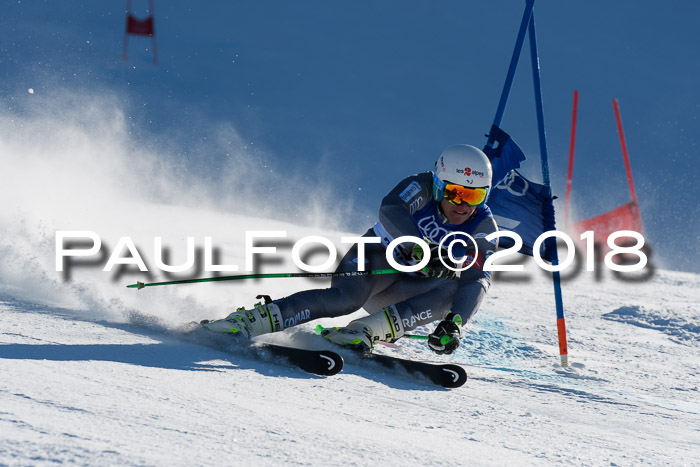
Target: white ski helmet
(463,165)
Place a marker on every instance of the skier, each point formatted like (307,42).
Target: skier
(430,206)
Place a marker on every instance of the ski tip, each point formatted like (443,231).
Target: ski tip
(335,363)
(454,377)
(138,286)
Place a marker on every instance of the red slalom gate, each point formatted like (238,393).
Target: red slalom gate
(140,27)
(624,217)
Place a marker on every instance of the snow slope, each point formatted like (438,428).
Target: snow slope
(210,144)
(94,373)
(77,385)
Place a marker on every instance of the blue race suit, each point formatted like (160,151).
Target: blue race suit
(409,209)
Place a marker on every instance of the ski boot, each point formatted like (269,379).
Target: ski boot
(362,333)
(262,319)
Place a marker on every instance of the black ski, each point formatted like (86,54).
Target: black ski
(318,362)
(443,374)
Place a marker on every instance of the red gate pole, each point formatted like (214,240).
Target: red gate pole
(628,168)
(624,151)
(141,27)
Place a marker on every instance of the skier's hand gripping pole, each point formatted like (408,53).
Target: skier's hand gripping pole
(446,336)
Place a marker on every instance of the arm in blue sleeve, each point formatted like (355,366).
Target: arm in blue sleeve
(475,282)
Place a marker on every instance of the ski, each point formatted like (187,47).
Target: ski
(318,362)
(447,375)
(443,374)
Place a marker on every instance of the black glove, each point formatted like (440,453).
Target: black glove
(445,338)
(435,268)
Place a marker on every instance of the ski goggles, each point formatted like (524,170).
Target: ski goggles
(458,194)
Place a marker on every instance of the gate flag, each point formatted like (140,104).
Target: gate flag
(524,207)
(517,204)
(140,27)
(505,155)
(625,217)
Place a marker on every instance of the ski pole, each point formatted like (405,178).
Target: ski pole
(444,340)
(141,285)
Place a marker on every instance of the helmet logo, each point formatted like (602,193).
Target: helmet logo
(469,172)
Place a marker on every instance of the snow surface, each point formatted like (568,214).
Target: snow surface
(242,127)
(115,378)
(92,372)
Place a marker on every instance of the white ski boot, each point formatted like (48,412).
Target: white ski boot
(362,333)
(262,319)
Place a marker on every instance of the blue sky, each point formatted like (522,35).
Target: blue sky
(360,94)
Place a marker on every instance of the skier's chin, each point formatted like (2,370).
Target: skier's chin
(459,215)
(458,218)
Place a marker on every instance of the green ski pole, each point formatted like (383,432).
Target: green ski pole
(141,285)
